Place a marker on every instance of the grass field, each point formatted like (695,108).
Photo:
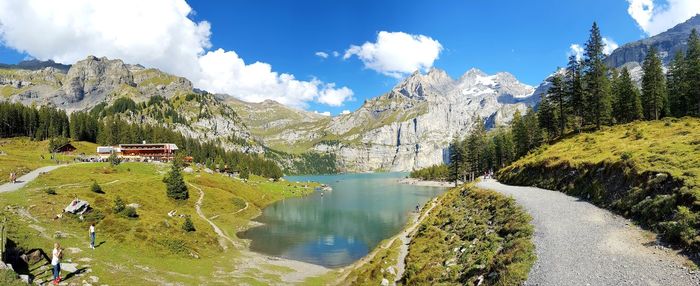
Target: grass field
(151,249)
(648,171)
(22,155)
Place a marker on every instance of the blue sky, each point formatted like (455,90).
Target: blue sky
(526,38)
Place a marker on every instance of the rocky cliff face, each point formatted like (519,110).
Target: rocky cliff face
(668,44)
(409,127)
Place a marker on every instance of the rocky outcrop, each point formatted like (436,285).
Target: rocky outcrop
(667,43)
(94,78)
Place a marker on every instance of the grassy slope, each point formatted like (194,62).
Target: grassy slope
(153,246)
(649,171)
(22,155)
(473,233)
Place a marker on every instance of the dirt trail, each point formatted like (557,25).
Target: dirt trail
(198,207)
(578,243)
(26,178)
(406,237)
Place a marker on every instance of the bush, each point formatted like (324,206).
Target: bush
(57,142)
(119,205)
(129,212)
(625,156)
(50,191)
(114,160)
(188,226)
(95,188)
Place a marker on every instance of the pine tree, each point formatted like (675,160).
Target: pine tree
(675,85)
(692,73)
(547,117)
(188,226)
(627,106)
(175,184)
(574,90)
(654,98)
(597,85)
(521,136)
(558,96)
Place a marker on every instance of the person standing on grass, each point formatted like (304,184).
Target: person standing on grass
(92,235)
(56,256)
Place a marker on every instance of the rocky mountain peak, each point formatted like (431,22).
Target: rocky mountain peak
(95,76)
(417,85)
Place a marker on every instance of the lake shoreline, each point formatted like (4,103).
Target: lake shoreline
(423,183)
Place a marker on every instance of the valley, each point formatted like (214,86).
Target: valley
(157,156)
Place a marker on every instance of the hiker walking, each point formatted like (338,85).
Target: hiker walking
(92,235)
(56,256)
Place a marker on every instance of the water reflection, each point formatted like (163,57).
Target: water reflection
(342,225)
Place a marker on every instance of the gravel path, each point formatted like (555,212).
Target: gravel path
(578,243)
(23,180)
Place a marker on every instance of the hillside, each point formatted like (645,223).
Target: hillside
(647,171)
(152,245)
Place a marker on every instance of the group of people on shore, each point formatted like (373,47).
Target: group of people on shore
(57,255)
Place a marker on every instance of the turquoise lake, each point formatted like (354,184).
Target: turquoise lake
(341,226)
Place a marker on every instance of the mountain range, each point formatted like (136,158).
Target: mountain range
(408,127)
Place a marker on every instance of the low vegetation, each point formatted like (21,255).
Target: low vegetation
(439,172)
(648,171)
(473,237)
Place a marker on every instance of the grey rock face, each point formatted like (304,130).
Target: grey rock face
(95,77)
(668,44)
(411,126)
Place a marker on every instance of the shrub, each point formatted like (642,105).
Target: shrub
(114,160)
(625,156)
(188,226)
(95,188)
(50,191)
(129,212)
(119,205)
(94,216)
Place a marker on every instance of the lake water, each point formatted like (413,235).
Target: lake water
(341,226)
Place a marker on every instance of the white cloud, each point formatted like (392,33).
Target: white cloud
(335,96)
(322,55)
(575,50)
(653,19)
(396,53)
(578,50)
(336,54)
(154,33)
(345,112)
(610,45)
(325,113)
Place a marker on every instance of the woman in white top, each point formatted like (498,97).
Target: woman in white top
(56,256)
(92,235)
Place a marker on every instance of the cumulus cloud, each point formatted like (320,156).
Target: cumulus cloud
(333,96)
(653,19)
(397,53)
(575,50)
(345,112)
(322,55)
(154,33)
(610,45)
(578,50)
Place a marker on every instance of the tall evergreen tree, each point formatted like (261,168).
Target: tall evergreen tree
(597,85)
(627,105)
(574,90)
(547,115)
(675,86)
(654,97)
(692,73)
(175,184)
(558,97)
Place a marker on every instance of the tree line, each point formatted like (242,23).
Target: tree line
(48,122)
(585,96)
